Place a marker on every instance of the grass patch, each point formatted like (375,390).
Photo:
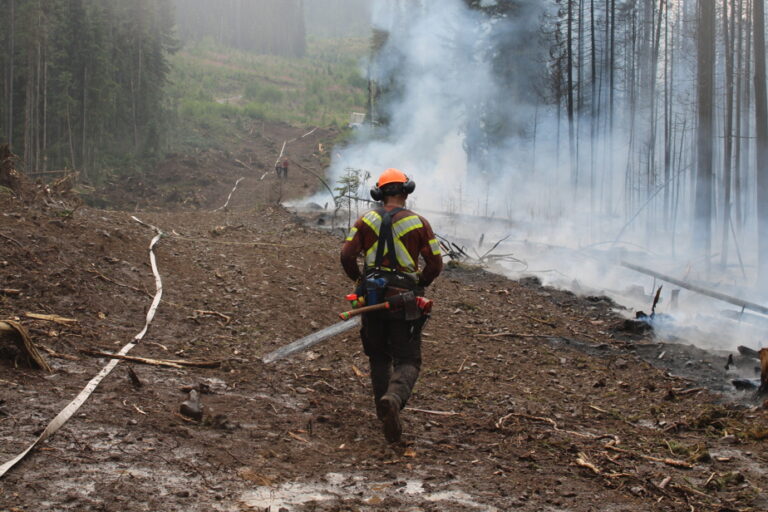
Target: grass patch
(693,453)
(213,90)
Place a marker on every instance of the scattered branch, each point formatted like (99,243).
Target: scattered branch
(298,437)
(434,413)
(174,363)
(202,312)
(539,320)
(489,251)
(101,276)
(513,335)
(670,462)
(583,461)
(58,355)
(51,318)
(13,240)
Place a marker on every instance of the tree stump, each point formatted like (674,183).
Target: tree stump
(14,336)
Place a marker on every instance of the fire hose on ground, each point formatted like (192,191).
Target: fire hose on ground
(80,399)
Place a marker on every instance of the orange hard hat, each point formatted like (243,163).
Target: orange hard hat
(391,176)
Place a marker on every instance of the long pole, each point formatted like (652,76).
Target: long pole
(744,304)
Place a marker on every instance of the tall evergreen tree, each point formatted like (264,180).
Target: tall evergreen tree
(84,80)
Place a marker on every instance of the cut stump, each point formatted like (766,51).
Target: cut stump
(16,333)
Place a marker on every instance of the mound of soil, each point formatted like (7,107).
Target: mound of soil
(13,183)
(528,399)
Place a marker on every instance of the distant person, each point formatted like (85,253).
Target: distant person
(279,169)
(392,239)
(285,169)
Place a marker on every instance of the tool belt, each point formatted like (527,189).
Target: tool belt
(394,279)
(396,288)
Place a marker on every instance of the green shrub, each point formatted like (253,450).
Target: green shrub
(255,110)
(263,93)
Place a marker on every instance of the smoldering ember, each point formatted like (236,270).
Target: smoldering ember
(357,255)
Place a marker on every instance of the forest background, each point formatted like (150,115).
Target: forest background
(104,86)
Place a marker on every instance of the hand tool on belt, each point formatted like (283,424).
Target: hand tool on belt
(412,306)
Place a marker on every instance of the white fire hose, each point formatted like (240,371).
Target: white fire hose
(75,404)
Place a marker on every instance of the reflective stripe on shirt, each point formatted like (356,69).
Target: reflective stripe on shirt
(435,246)
(373,220)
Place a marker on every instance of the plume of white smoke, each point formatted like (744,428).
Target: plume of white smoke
(435,52)
(438,62)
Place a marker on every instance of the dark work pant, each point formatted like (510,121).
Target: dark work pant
(393,347)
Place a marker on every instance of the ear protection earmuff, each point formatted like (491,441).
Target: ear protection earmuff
(377,194)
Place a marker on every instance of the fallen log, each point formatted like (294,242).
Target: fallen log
(20,336)
(744,304)
(170,363)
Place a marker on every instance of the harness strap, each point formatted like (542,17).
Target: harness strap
(386,237)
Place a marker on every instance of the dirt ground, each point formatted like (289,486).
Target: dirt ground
(530,398)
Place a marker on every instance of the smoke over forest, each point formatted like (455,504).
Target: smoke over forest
(617,130)
(577,122)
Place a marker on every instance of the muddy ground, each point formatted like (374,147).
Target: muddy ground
(530,398)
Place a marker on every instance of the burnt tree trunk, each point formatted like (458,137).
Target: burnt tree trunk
(704,93)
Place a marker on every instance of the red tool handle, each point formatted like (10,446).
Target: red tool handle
(367,309)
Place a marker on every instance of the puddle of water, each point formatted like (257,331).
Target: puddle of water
(286,496)
(336,486)
(459,497)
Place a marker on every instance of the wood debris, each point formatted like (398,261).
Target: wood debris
(51,318)
(58,355)
(298,437)
(503,419)
(10,329)
(539,320)
(670,462)
(435,413)
(202,312)
(172,363)
(101,276)
(12,240)
(583,461)
(135,381)
(513,335)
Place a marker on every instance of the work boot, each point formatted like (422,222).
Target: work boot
(380,409)
(390,408)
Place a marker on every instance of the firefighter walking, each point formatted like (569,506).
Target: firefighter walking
(390,240)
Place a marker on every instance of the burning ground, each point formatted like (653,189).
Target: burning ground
(530,398)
